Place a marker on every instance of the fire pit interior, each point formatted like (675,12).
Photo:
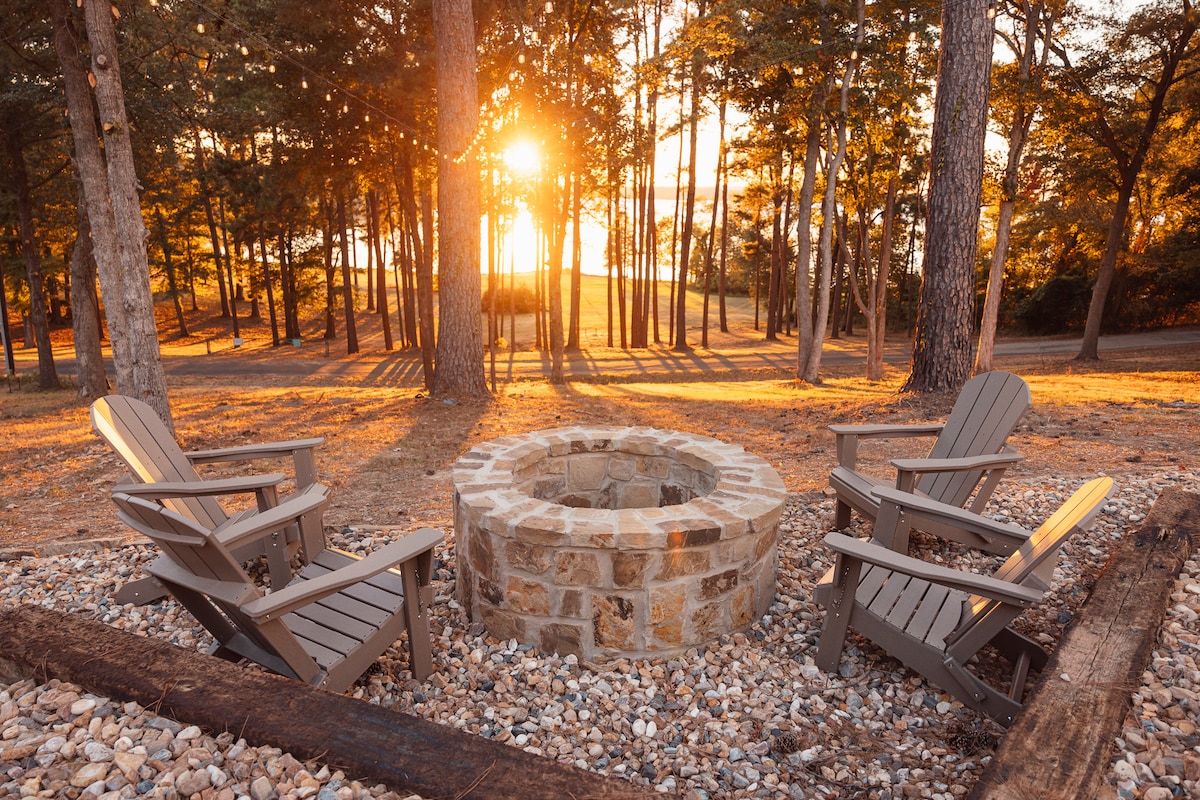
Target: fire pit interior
(610,542)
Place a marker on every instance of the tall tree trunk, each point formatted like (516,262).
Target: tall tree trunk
(19,178)
(425,291)
(1129,167)
(89,163)
(266,271)
(1038,26)
(233,289)
(347,286)
(137,300)
(327,254)
(85,311)
(689,205)
(941,359)
(459,351)
(381,300)
(164,243)
(808,183)
(812,368)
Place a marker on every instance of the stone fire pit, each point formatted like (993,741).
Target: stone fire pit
(608,542)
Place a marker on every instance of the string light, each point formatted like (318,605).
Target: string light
(991,9)
(243,48)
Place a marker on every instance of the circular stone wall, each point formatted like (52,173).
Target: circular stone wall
(608,542)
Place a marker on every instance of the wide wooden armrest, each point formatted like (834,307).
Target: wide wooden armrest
(923,507)
(962,464)
(969,582)
(299,450)
(848,437)
(253,527)
(302,593)
(243,484)
(250,452)
(888,431)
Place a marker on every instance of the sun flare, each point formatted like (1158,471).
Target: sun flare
(523,158)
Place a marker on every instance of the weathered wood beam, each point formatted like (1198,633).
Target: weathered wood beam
(377,744)
(1060,744)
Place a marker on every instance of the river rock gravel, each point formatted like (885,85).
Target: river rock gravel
(748,716)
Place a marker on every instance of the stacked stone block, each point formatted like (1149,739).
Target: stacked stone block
(609,542)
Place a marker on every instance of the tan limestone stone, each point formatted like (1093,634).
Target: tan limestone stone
(577,568)
(613,622)
(527,596)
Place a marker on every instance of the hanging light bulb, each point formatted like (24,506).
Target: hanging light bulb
(912,36)
(304,83)
(854,55)
(154,3)
(366,117)
(245,50)
(345,108)
(386,128)
(328,97)
(271,68)
(991,12)
(200,27)
(520,58)
(549,6)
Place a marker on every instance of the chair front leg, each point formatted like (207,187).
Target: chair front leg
(837,616)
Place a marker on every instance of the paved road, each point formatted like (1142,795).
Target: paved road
(404,368)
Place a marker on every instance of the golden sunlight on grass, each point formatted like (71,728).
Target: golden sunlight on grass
(1114,387)
(771,391)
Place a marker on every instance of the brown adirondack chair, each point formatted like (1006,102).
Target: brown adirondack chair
(327,625)
(160,470)
(935,619)
(966,462)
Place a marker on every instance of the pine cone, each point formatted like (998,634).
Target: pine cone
(968,740)
(786,743)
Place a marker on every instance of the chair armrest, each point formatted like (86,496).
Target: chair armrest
(291,511)
(962,464)
(888,431)
(848,436)
(302,593)
(299,450)
(907,469)
(952,516)
(969,582)
(244,484)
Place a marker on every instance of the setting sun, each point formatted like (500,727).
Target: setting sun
(523,158)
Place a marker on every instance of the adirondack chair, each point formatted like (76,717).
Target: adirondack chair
(160,470)
(969,449)
(935,619)
(327,625)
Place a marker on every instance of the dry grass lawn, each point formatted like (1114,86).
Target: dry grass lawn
(388,451)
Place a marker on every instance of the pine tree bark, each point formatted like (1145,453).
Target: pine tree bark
(941,361)
(459,359)
(85,311)
(136,299)
(89,164)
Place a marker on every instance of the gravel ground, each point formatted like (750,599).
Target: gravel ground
(748,716)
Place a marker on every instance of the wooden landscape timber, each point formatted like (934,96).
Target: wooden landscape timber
(405,753)
(1060,745)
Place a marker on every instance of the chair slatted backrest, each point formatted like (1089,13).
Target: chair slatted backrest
(201,555)
(983,417)
(150,452)
(1032,565)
